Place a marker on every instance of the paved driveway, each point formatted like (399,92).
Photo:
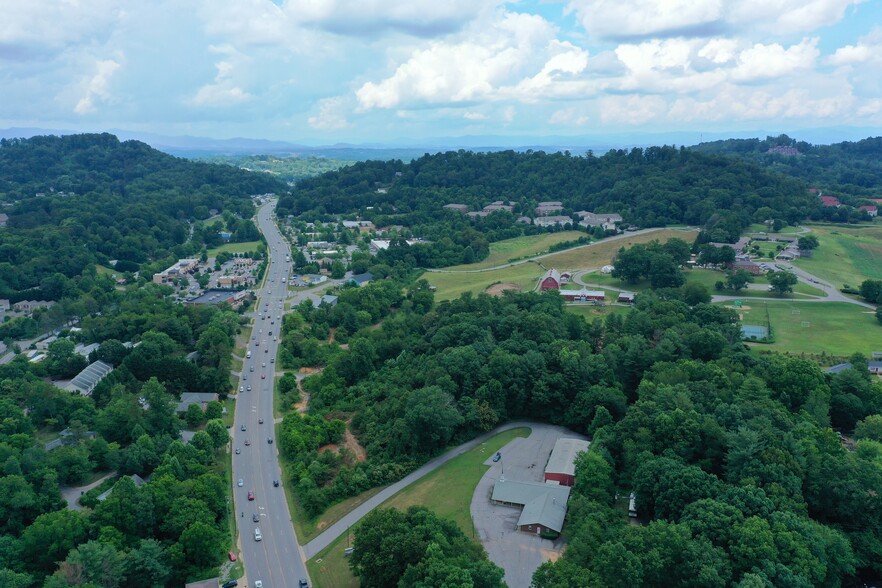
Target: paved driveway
(518,553)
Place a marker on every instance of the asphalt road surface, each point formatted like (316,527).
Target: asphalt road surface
(276,560)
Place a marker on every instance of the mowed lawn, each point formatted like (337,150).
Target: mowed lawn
(451,284)
(601,253)
(591,311)
(520,247)
(708,278)
(234,248)
(846,255)
(837,328)
(447,492)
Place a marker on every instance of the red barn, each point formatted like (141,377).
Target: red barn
(561,467)
(550,281)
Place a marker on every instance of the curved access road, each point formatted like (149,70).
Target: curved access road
(544,255)
(312,548)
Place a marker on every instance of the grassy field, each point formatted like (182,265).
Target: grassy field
(709,278)
(447,491)
(234,248)
(786,231)
(847,255)
(525,275)
(520,247)
(836,328)
(451,285)
(602,252)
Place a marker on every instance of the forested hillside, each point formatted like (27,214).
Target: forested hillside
(844,169)
(651,187)
(736,470)
(77,200)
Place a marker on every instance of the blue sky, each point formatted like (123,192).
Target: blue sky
(388,70)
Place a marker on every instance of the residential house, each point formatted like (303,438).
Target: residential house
(29,306)
(481,214)
(200,399)
(360,279)
(830,201)
(626,297)
(870,210)
(85,381)
(747,266)
(524,220)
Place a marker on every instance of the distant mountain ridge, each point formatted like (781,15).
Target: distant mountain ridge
(408,148)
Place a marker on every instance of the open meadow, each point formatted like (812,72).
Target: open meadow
(524,276)
(520,247)
(846,255)
(234,248)
(835,328)
(707,277)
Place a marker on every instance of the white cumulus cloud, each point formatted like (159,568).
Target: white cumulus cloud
(97,86)
(330,116)
(224,90)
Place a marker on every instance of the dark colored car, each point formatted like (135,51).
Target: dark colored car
(231,583)
(497,457)
(303,583)
(276,483)
(255,518)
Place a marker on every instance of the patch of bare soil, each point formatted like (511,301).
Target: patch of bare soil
(352,444)
(498,289)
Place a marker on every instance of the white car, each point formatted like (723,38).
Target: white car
(240,483)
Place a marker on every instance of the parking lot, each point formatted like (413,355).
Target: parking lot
(518,553)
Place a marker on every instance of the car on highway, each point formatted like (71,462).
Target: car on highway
(240,483)
(255,518)
(272,360)
(269,440)
(257,535)
(247,442)
(263,376)
(303,583)
(238,450)
(275,483)
(259,421)
(497,457)
(251,495)
(258,584)
(248,388)
(243,427)
(241,388)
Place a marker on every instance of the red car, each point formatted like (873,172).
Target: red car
(251,495)
(233,556)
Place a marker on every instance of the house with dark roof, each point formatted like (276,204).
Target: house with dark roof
(201,399)
(360,279)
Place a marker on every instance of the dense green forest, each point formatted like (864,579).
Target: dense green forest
(731,454)
(851,170)
(77,200)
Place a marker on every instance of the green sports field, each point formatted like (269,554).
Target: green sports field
(836,328)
